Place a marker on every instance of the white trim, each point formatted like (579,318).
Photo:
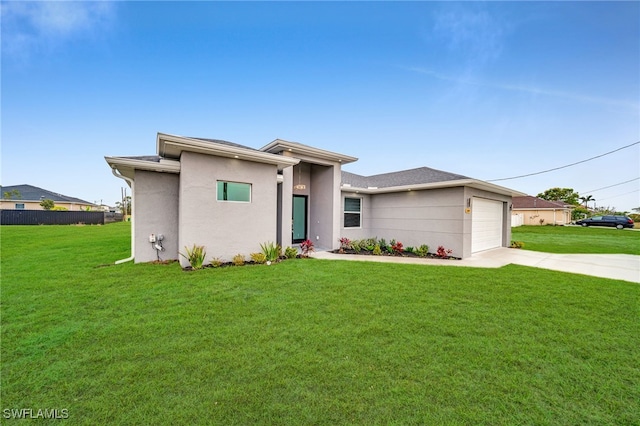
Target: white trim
(296,148)
(164,166)
(344,211)
(172,146)
(471,183)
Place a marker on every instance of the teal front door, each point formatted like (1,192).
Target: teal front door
(299,218)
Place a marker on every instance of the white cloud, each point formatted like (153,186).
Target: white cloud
(528,89)
(471,32)
(34,25)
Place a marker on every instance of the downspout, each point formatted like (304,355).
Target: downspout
(133,228)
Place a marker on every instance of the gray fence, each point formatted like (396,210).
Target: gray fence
(49,217)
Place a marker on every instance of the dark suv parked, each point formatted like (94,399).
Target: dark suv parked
(617,221)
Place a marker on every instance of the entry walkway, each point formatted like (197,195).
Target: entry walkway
(615,266)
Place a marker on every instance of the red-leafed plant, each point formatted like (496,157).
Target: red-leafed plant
(345,244)
(443,252)
(397,248)
(307,247)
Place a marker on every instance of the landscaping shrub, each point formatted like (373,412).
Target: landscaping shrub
(195,256)
(396,247)
(307,247)
(271,252)
(443,252)
(290,253)
(259,258)
(423,250)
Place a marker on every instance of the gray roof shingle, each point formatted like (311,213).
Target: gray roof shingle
(33,193)
(401,178)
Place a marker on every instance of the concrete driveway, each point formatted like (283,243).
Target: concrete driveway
(615,266)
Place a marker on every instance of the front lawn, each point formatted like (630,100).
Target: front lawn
(576,239)
(307,341)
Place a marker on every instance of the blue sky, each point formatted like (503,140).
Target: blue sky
(487,90)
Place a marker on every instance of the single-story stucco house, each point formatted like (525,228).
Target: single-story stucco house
(537,211)
(231,198)
(29,197)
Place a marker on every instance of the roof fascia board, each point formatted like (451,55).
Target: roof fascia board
(279,145)
(473,183)
(313,160)
(542,208)
(172,146)
(164,166)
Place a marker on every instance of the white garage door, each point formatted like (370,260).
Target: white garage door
(486,224)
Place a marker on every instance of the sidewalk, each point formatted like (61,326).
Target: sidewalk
(615,266)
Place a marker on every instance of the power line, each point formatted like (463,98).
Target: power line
(568,165)
(619,195)
(611,186)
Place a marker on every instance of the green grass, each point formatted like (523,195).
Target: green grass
(575,239)
(308,341)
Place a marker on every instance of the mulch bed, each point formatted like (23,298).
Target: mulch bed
(387,254)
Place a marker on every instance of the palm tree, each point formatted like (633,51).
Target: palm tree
(586,199)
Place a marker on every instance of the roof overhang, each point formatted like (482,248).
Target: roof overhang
(543,208)
(297,149)
(171,146)
(471,183)
(127,166)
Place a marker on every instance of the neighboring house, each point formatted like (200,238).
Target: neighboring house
(29,197)
(231,198)
(536,211)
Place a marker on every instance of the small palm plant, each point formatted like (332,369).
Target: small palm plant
(271,252)
(195,256)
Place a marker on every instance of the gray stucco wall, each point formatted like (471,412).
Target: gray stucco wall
(156,212)
(225,228)
(434,217)
(321,214)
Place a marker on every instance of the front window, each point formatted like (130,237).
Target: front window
(352,212)
(19,206)
(234,191)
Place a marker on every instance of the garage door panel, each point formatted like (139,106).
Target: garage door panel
(486,223)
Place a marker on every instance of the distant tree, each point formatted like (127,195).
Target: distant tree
(602,210)
(47,204)
(60,209)
(586,199)
(125,205)
(14,193)
(579,212)
(567,195)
